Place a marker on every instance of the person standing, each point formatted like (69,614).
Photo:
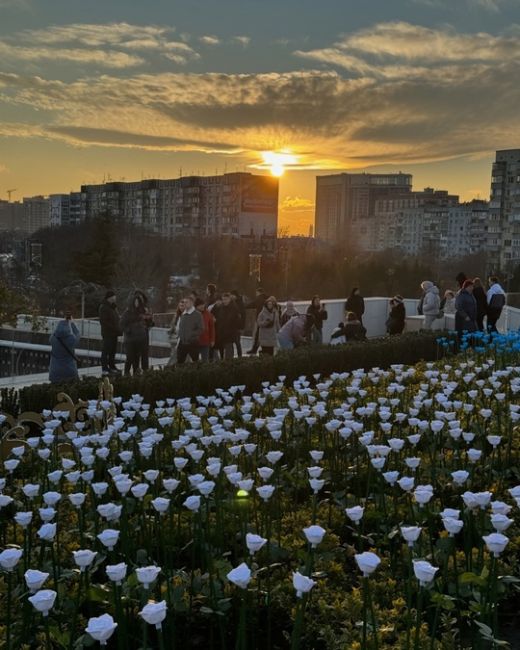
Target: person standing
(191,326)
(268,323)
(207,337)
(496,300)
(173,332)
(397,317)
(461,278)
(257,304)
(466,309)
(479,294)
(211,295)
(110,331)
(135,324)
(431,303)
(355,303)
(319,313)
(448,302)
(63,365)
(241,308)
(227,325)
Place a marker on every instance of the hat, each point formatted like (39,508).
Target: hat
(109,294)
(426,284)
(467,283)
(398,298)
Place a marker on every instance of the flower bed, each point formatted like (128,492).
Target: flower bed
(203,379)
(369,509)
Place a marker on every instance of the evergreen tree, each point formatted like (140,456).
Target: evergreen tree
(97,263)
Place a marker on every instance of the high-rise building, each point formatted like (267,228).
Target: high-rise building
(345,204)
(36,213)
(236,204)
(504,211)
(67,209)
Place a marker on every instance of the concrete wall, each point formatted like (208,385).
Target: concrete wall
(374,319)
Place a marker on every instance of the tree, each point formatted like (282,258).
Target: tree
(12,303)
(97,264)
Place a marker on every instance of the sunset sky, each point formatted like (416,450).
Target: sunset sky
(126,89)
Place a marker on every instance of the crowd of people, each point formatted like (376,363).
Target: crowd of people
(209,327)
(475,308)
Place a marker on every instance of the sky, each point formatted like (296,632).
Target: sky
(120,89)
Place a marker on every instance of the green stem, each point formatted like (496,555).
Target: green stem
(418,619)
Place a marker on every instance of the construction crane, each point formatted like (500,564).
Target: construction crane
(9,192)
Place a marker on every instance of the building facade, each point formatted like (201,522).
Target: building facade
(504,211)
(237,205)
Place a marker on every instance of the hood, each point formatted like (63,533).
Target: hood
(137,294)
(63,329)
(426,285)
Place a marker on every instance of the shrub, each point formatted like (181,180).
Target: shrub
(199,379)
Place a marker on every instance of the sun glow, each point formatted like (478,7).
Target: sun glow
(277,161)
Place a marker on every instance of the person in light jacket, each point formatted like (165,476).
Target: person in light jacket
(268,323)
(63,363)
(431,303)
(496,300)
(173,332)
(466,309)
(295,331)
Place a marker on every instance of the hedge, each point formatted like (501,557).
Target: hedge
(190,380)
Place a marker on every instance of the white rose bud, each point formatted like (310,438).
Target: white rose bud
(101,628)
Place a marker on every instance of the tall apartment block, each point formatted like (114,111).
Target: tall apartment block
(345,204)
(236,204)
(504,210)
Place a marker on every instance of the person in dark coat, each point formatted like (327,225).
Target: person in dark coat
(110,331)
(397,317)
(356,304)
(63,363)
(257,304)
(191,326)
(479,293)
(227,325)
(461,278)
(350,330)
(135,324)
(239,302)
(466,309)
(319,313)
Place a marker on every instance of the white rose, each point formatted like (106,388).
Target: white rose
(314,535)
(84,558)
(367,562)
(34,579)
(10,558)
(410,534)
(43,600)
(302,584)
(355,514)
(240,576)
(160,504)
(496,543)
(254,542)
(101,628)
(116,572)
(424,571)
(47,532)
(148,574)
(154,613)
(109,538)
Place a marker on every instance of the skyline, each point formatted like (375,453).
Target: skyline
(424,87)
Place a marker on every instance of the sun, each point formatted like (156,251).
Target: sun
(277,161)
